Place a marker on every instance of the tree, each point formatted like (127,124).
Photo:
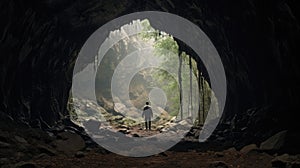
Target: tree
(164,43)
(191,89)
(180,85)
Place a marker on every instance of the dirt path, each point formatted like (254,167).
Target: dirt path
(141,132)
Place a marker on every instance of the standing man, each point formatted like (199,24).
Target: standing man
(147,114)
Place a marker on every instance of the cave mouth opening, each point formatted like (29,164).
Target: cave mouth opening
(149,66)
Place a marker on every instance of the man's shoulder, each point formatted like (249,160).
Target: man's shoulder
(147,107)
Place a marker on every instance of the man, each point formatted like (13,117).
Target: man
(147,114)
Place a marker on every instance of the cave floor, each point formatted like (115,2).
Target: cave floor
(230,157)
(27,147)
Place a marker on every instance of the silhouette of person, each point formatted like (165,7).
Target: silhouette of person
(147,114)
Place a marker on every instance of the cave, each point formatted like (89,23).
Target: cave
(257,42)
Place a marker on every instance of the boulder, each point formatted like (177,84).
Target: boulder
(135,135)
(182,125)
(106,104)
(231,150)
(275,142)
(4,161)
(4,145)
(183,122)
(41,156)
(249,148)
(119,107)
(69,143)
(278,164)
(4,135)
(92,125)
(218,164)
(25,165)
(47,150)
(79,154)
(21,156)
(173,119)
(117,118)
(132,113)
(20,139)
(123,126)
(286,160)
(163,113)
(219,154)
(124,131)
(160,127)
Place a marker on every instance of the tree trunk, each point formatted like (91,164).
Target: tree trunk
(203,99)
(180,85)
(191,89)
(199,90)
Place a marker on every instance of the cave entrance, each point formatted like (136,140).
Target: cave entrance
(149,66)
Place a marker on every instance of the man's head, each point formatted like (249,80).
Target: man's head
(147,103)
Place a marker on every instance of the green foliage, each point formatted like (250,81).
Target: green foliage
(167,49)
(166,45)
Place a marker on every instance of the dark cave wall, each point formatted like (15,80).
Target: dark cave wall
(39,45)
(257,42)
